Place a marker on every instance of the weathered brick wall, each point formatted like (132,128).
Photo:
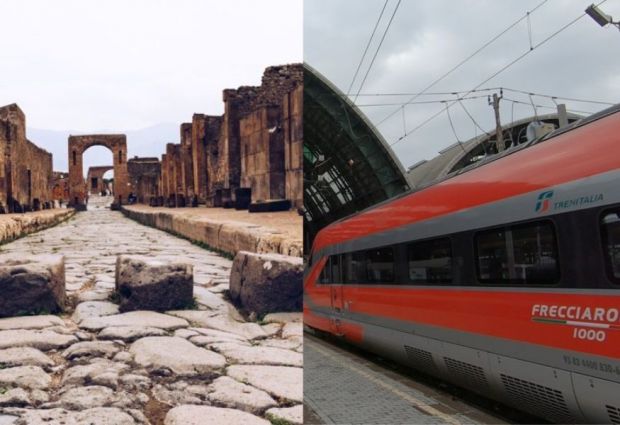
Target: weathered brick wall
(26,170)
(199,156)
(60,186)
(187,163)
(144,178)
(262,154)
(212,147)
(292,107)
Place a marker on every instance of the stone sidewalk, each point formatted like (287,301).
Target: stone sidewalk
(227,229)
(13,226)
(97,366)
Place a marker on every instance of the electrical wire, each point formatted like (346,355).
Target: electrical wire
(496,73)
(378,49)
(367,46)
(472,55)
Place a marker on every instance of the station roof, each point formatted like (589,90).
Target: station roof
(461,155)
(348,166)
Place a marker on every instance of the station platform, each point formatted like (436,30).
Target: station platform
(344,387)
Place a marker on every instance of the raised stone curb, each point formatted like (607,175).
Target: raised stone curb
(14,226)
(227,236)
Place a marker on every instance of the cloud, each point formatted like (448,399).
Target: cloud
(427,38)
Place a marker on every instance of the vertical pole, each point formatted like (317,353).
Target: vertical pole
(499,136)
(562,115)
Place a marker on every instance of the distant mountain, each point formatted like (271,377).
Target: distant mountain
(149,141)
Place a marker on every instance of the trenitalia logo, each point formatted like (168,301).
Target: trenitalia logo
(543,201)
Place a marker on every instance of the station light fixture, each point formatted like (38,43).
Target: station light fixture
(600,17)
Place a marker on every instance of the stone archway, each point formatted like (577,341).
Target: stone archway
(117,143)
(94,178)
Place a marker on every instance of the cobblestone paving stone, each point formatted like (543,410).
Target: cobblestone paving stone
(342,388)
(138,366)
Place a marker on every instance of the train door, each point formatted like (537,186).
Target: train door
(336,292)
(337,305)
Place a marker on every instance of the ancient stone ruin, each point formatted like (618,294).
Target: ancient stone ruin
(25,169)
(251,154)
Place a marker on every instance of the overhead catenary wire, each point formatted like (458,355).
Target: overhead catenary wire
(359,65)
(496,73)
(468,58)
(387,28)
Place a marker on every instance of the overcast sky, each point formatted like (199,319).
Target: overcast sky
(119,65)
(429,37)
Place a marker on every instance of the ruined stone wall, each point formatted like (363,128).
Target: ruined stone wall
(60,186)
(262,154)
(199,156)
(218,154)
(212,148)
(292,108)
(26,170)
(186,162)
(144,178)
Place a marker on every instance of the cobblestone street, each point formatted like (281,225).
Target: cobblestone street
(94,365)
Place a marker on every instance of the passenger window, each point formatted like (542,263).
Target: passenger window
(325,277)
(334,264)
(354,267)
(610,227)
(524,254)
(430,261)
(380,265)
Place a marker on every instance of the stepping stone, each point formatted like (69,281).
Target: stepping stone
(94,309)
(267,283)
(144,283)
(176,354)
(289,415)
(203,415)
(32,377)
(280,381)
(135,318)
(24,356)
(258,355)
(233,394)
(31,284)
(41,339)
(30,322)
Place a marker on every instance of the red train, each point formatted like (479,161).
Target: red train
(504,279)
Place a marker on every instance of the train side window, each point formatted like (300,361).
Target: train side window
(430,261)
(325,276)
(354,267)
(334,264)
(610,227)
(523,254)
(380,264)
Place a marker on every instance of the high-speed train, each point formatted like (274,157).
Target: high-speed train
(504,279)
